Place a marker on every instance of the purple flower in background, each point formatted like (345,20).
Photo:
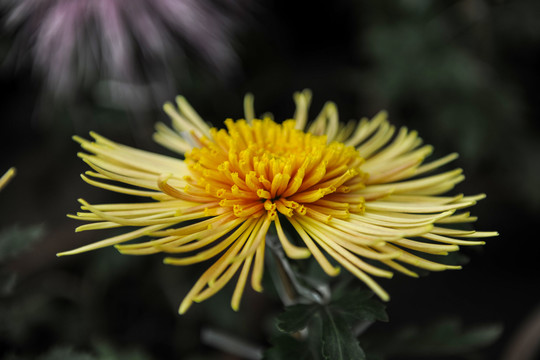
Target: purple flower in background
(129,46)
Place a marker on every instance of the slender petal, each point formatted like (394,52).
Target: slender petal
(7,177)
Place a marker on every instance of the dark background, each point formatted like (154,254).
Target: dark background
(462,73)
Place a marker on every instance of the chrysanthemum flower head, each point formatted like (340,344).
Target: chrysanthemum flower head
(126,46)
(352,193)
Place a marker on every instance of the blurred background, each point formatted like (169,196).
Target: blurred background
(463,73)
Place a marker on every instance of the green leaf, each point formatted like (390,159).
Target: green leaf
(16,239)
(106,351)
(66,353)
(446,337)
(296,317)
(13,356)
(359,304)
(330,326)
(338,341)
(8,280)
(287,347)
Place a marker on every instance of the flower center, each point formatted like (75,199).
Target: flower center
(265,168)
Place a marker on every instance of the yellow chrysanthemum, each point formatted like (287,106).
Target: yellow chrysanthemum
(351,192)
(7,177)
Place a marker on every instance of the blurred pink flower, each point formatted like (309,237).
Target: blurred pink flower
(124,44)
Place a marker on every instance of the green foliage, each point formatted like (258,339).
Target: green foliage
(329,327)
(287,347)
(16,239)
(107,352)
(443,338)
(102,352)
(333,330)
(66,353)
(8,280)
(360,305)
(58,353)
(338,340)
(296,317)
